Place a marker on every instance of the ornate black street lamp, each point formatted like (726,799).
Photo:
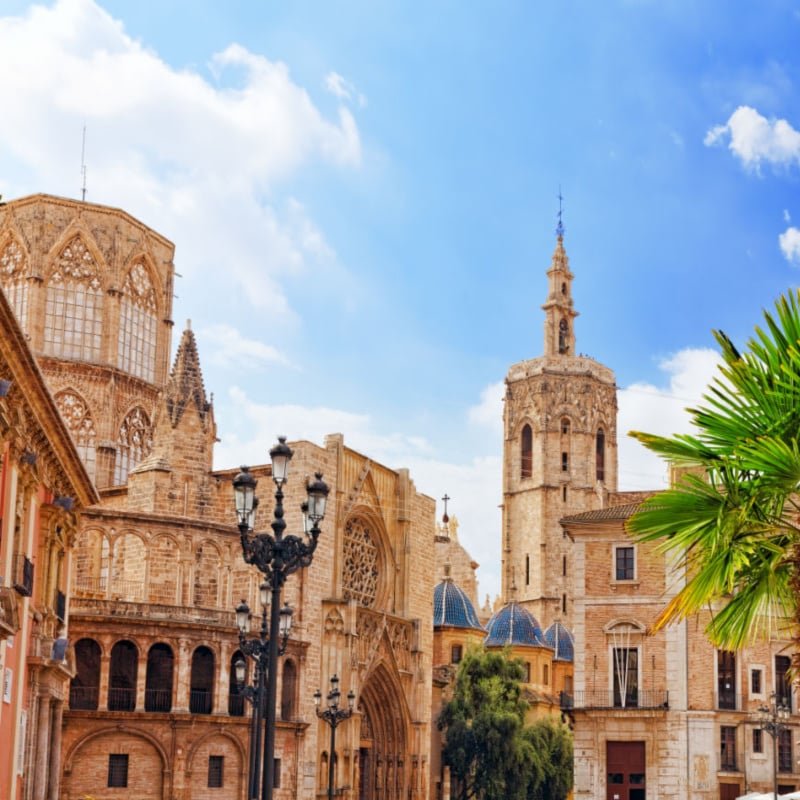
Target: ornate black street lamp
(333,715)
(257,648)
(277,556)
(774,719)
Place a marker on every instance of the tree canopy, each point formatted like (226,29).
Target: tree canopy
(733,516)
(491,753)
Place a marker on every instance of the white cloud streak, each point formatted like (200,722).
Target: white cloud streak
(756,140)
(789,242)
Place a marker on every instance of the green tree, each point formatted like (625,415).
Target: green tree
(733,518)
(553,742)
(490,752)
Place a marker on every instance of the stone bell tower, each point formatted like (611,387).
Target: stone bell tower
(559,453)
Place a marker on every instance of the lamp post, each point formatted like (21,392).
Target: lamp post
(277,556)
(333,715)
(774,719)
(257,648)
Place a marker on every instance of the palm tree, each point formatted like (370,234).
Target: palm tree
(733,519)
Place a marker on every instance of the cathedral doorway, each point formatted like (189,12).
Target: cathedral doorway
(383,739)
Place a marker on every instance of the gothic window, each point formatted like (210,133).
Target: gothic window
(136,343)
(13,276)
(526,452)
(73,319)
(134,443)
(79,421)
(288,690)
(565,426)
(600,455)
(360,575)
(563,337)
(158,680)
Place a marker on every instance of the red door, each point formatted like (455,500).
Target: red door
(729,791)
(625,771)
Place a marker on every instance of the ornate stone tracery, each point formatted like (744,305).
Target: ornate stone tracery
(13,275)
(360,571)
(79,421)
(134,443)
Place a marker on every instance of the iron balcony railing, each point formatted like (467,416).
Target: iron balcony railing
(200,701)
(121,699)
(236,705)
(648,699)
(83,698)
(158,699)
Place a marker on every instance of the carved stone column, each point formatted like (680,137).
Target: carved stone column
(41,762)
(55,750)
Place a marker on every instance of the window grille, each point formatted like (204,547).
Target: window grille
(118,770)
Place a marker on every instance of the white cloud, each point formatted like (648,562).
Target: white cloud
(660,410)
(789,242)
(225,346)
(489,411)
(343,89)
(180,151)
(787,217)
(754,139)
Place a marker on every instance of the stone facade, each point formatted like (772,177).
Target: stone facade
(43,487)
(689,707)
(158,568)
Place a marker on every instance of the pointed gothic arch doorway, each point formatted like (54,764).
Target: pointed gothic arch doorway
(383,739)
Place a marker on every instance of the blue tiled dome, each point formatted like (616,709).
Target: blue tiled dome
(560,639)
(514,625)
(451,606)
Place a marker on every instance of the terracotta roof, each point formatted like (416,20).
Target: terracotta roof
(603,514)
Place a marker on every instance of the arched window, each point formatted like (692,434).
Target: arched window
(136,343)
(201,689)
(563,337)
(360,563)
(79,421)
(526,452)
(288,690)
(14,279)
(122,679)
(129,569)
(235,697)
(158,682)
(84,688)
(566,426)
(134,443)
(600,455)
(73,317)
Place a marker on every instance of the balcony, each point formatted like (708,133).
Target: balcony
(23,575)
(83,698)
(643,699)
(200,701)
(121,699)
(236,705)
(158,699)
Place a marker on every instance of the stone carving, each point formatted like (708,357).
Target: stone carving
(334,622)
(134,443)
(76,263)
(79,421)
(360,571)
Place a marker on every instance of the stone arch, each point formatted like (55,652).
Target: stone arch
(202,679)
(86,763)
(367,563)
(84,690)
(74,298)
(384,738)
(207,574)
(91,562)
(217,743)
(134,442)
(163,580)
(14,272)
(128,567)
(138,319)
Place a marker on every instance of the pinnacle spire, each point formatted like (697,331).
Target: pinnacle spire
(185,382)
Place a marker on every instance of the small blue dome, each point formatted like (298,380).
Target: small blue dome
(514,625)
(562,642)
(451,606)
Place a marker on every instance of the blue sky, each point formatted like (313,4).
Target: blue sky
(363,198)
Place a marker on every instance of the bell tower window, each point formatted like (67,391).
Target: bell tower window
(600,455)
(526,452)
(563,337)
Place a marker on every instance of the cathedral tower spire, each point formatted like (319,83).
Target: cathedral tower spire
(559,321)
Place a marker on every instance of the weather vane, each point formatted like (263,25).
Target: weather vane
(560,226)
